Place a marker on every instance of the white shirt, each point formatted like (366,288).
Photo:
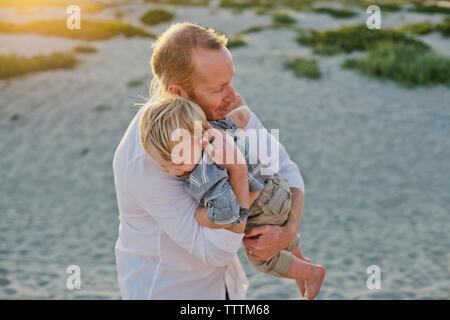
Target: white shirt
(162,252)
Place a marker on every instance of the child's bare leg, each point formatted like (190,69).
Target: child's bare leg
(298,253)
(301,283)
(308,275)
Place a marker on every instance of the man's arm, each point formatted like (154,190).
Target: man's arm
(272,239)
(173,210)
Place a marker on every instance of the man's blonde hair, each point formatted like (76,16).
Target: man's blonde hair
(172,61)
(162,118)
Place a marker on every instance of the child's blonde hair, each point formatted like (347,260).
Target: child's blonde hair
(162,118)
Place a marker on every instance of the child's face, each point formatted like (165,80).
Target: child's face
(178,170)
(186,162)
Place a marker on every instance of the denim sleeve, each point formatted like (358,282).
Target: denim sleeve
(209,184)
(205,175)
(222,204)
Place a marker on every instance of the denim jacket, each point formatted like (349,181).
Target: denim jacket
(208,183)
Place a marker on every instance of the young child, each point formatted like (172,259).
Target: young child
(270,196)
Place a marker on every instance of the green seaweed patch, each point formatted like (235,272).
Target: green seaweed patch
(418,7)
(156,16)
(336,13)
(352,38)
(236,41)
(265,6)
(135,83)
(119,14)
(404,64)
(244,4)
(84,48)
(304,67)
(281,17)
(193,3)
(422,28)
(383,5)
(15,65)
(261,10)
(90,29)
(255,29)
(444,27)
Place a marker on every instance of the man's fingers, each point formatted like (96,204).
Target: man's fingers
(249,243)
(255,231)
(256,256)
(254,245)
(253,254)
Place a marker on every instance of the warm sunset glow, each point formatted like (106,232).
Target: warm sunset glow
(86,5)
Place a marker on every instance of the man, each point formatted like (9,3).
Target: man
(161,251)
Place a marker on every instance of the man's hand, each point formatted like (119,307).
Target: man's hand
(272,239)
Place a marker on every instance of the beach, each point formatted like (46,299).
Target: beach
(374,156)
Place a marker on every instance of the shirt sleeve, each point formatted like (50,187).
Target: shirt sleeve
(173,209)
(286,167)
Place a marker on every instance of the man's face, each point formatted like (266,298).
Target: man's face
(212,89)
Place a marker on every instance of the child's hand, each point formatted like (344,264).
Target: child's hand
(238,102)
(223,150)
(241,116)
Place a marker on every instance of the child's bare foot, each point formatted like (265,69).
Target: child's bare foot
(313,285)
(301,284)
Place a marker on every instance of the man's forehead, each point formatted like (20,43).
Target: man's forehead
(214,66)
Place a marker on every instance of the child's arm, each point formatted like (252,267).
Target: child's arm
(240,115)
(202,219)
(253,195)
(226,206)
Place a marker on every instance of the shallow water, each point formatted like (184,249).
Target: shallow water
(374,157)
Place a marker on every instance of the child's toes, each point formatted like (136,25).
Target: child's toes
(301,286)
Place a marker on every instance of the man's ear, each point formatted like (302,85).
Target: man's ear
(176,90)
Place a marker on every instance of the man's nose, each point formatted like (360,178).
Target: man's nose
(231,95)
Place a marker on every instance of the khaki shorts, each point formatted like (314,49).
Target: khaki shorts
(272,207)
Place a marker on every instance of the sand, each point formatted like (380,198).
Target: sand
(374,157)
